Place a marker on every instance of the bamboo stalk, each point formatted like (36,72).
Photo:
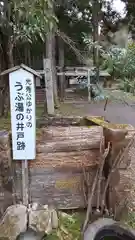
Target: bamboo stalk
(85,185)
(89,208)
(103,158)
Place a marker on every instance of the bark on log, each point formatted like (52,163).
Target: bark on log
(69,145)
(59,120)
(69,161)
(61,189)
(69,132)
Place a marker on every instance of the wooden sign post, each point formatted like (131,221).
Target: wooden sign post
(25,182)
(23,119)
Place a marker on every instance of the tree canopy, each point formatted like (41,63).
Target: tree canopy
(74,19)
(25,20)
(130,15)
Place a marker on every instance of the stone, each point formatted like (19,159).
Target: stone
(43,220)
(13,222)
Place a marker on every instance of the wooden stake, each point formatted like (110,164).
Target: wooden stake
(89,208)
(25,182)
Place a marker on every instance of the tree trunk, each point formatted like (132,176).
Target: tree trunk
(54,71)
(61,65)
(29,55)
(10,64)
(50,53)
(7,49)
(95,21)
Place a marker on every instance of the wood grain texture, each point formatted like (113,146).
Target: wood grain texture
(64,190)
(66,133)
(58,121)
(70,160)
(68,145)
(67,139)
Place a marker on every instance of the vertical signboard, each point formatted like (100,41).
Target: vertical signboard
(23,121)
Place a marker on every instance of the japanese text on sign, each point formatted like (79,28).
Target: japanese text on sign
(22,98)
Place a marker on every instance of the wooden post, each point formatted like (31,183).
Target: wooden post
(25,182)
(89,87)
(49,86)
(61,64)
(62,85)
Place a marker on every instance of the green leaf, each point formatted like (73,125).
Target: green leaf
(28,19)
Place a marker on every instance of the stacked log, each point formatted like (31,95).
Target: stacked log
(51,133)
(64,160)
(56,176)
(59,120)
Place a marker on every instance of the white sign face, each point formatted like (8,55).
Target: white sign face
(23,121)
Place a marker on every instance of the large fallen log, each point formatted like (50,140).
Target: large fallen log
(58,120)
(70,160)
(66,139)
(64,133)
(69,145)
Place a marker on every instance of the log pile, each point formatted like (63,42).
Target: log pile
(56,176)
(60,139)
(68,159)
(66,155)
(69,144)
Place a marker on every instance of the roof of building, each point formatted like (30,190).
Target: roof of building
(28,69)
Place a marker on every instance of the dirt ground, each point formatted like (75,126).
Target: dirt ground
(120,113)
(120,108)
